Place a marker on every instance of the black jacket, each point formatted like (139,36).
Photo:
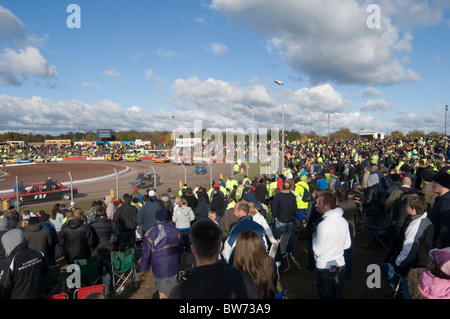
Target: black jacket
(215,281)
(125,217)
(78,239)
(21,273)
(218,203)
(40,238)
(105,229)
(374,200)
(284,207)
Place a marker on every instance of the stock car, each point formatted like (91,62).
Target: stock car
(200,168)
(161,159)
(132,157)
(146,182)
(37,193)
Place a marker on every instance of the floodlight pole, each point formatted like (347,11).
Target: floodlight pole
(282,124)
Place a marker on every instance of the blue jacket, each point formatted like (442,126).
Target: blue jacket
(245,223)
(161,250)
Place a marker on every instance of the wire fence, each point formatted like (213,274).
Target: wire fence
(40,190)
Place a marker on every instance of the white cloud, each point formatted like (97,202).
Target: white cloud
(112,73)
(375,105)
(327,40)
(166,53)
(370,91)
(148,74)
(218,48)
(15,66)
(320,98)
(91,85)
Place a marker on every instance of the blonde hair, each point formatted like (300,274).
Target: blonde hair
(251,256)
(212,215)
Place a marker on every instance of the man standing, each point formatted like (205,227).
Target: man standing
(440,214)
(146,216)
(245,222)
(78,239)
(162,250)
(125,217)
(23,269)
(284,209)
(329,242)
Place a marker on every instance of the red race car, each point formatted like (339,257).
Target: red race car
(42,192)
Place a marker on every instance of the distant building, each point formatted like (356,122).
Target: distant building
(370,134)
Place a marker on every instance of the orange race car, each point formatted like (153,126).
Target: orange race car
(161,159)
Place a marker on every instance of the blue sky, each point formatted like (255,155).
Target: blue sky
(157,65)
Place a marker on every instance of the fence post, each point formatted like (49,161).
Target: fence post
(17,193)
(210,173)
(117,183)
(71,187)
(154,177)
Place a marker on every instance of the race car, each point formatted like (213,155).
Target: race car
(132,157)
(37,193)
(146,181)
(161,159)
(200,168)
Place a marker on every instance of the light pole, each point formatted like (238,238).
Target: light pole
(282,123)
(251,107)
(445,128)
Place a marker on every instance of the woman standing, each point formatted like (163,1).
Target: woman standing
(251,256)
(183,215)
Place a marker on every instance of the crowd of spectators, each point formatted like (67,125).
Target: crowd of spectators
(223,230)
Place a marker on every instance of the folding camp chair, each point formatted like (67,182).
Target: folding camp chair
(81,293)
(90,270)
(381,233)
(123,270)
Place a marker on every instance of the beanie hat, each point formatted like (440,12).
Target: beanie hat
(427,175)
(161,214)
(151,193)
(442,179)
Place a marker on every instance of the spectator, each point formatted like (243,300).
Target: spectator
(412,246)
(211,278)
(3,230)
(284,210)
(202,209)
(162,250)
(329,242)
(218,202)
(56,218)
(190,198)
(373,206)
(245,222)
(107,233)
(183,215)
(349,207)
(427,189)
(125,217)
(257,217)
(432,282)
(250,256)
(110,207)
(95,205)
(226,223)
(40,238)
(440,214)
(77,238)
(23,269)
(146,216)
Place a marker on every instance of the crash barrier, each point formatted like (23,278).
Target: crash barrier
(39,190)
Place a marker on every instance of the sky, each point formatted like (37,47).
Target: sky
(150,65)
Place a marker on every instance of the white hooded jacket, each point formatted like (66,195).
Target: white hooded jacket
(332,238)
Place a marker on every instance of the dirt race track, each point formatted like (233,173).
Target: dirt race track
(95,179)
